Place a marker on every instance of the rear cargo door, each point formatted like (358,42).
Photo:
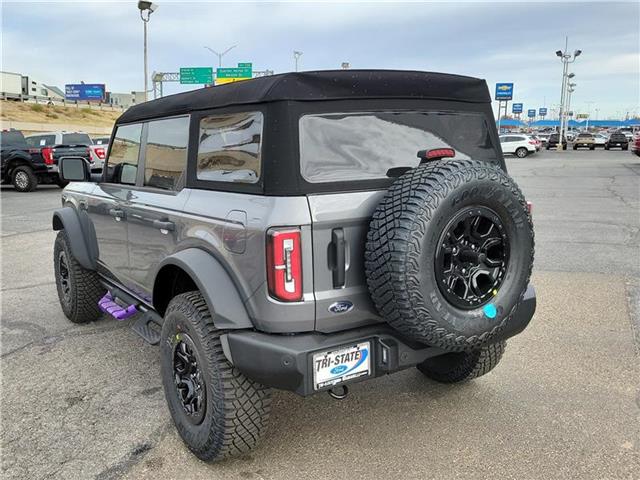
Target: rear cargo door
(339,229)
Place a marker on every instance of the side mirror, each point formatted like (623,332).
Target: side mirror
(74,169)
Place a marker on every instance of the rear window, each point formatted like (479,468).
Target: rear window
(12,138)
(229,147)
(364,146)
(76,139)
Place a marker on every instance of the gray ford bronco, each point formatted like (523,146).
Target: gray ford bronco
(304,232)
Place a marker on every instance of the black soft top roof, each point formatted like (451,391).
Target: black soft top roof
(315,86)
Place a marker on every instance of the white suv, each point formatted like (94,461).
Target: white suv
(518,145)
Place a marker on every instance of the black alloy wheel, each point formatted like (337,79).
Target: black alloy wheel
(472,257)
(65,277)
(188,379)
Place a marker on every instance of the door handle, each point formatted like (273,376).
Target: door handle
(338,263)
(116,213)
(164,225)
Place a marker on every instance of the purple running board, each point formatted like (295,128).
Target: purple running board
(108,305)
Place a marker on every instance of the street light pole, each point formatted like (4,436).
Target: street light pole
(566,59)
(589,103)
(146,9)
(220,55)
(296,56)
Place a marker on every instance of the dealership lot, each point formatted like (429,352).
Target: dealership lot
(86,401)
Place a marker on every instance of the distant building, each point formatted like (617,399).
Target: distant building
(15,85)
(124,100)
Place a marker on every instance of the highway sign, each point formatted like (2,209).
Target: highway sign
(85,91)
(531,113)
(243,71)
(192,75)
(504,91)
(235,72)
(516,108)
(542,112)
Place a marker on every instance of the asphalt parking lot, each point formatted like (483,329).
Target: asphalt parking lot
(86,401)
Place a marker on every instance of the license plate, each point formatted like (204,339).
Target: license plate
(345,363)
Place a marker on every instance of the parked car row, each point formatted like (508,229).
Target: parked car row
(29,161)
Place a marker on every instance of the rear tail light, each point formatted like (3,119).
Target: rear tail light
(532,142)
(100,153)
(47,155)
(284,264)
(529,207)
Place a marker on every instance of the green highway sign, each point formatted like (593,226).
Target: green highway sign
(235,72)
(193,75)
(245,65)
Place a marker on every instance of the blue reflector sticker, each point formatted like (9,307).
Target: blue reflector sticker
(490,310)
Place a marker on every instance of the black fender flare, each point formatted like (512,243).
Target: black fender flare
(218,289)
(80,233)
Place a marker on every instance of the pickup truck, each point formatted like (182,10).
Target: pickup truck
(97,153)
(26,166)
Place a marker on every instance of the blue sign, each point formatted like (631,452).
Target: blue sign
(504,91)
(531,113)
(542,112)
(517,108)
(85,91)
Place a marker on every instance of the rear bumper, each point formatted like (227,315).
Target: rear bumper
(285,361)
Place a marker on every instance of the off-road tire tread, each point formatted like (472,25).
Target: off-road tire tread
(392,253)
(242,406)
(472,365)
(87,289)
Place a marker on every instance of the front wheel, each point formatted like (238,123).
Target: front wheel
(79,289)
(521,152)
(217,410)
(463,366)
(23,179)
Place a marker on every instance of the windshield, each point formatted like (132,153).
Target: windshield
(363,146)
(76,139)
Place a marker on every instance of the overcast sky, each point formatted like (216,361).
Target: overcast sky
(69,42)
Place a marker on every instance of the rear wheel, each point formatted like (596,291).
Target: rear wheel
(522,152)
(462,366)
(217,410)
(23,179)
(592,148)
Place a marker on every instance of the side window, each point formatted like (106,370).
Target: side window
(49,140)
(165,159)
(122,164)
(229,147)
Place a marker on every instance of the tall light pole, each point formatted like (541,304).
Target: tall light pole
(296,56)
(566,59)
(146,9)
(589,103)
(571,87)
(220,55)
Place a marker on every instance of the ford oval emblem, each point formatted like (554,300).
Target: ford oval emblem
(340,307)
(337,370)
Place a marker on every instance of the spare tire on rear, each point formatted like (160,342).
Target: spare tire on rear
(449,253)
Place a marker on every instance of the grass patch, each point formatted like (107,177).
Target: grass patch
(37,107)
